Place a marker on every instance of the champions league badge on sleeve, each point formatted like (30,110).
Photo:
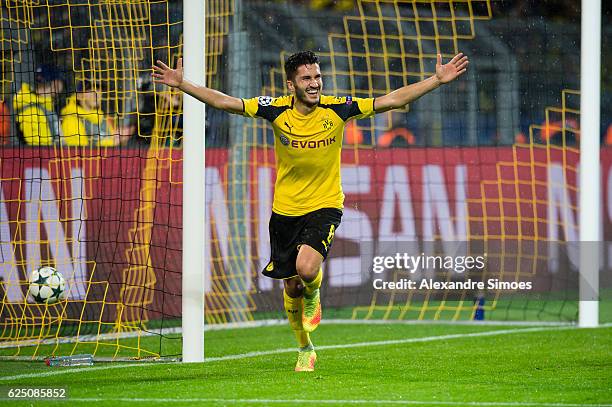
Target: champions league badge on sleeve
(264,100)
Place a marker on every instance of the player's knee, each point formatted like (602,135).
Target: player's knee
(307,269)
(294,287)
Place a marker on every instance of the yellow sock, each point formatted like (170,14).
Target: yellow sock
(314,284)
(293,309)
(303,339)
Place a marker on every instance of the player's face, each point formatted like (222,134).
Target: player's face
(307,84)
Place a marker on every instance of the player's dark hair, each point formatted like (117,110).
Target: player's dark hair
(298,59)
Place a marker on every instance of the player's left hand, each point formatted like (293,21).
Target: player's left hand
(451,71)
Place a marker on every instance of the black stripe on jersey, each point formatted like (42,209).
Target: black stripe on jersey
(344,110)
(270,113)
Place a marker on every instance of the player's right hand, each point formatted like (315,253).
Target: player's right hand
(162,73)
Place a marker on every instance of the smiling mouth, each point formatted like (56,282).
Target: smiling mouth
(313,91)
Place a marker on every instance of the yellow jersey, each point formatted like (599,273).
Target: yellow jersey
(307,149)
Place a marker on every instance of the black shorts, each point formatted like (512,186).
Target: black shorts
(287,233)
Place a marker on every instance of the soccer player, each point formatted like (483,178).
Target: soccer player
(308,199)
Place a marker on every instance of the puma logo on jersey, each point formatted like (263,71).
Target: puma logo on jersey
(313,143)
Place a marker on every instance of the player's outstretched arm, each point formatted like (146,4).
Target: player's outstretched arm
(444,74)
(162,73)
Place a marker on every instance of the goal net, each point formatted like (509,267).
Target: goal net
(90,174)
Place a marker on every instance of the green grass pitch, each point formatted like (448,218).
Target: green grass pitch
(383,364)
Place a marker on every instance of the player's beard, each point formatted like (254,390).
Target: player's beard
(303,97)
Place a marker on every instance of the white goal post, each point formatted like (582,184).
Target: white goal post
(590,162)
(194,30)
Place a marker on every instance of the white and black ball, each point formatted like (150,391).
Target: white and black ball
(47,285)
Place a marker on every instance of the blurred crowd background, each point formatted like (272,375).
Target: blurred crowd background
(523,57)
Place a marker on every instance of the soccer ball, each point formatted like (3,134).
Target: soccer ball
(47,285)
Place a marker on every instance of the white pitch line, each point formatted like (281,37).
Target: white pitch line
(342,402)
(112,336)
(387,342)
(61,371)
